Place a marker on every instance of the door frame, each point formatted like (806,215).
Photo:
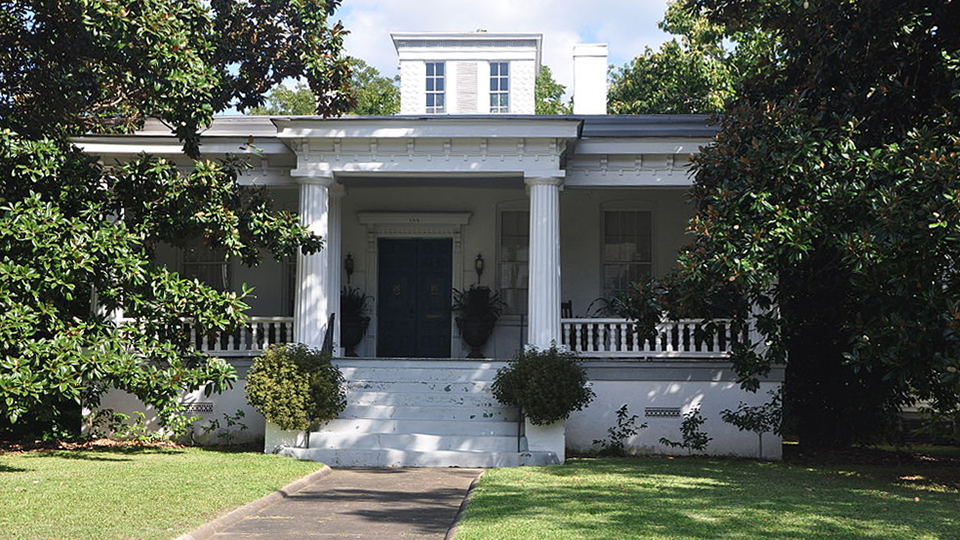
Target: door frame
(413,225)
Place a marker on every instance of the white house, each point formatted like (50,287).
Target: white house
(466,186)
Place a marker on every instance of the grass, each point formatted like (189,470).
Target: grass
(655,498)
(131,492)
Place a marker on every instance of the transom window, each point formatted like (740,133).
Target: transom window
(627,249)
(435,87)
(499,87)
(514,259)
(209,266)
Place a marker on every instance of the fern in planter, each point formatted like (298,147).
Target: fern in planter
(295,387)
(547,384)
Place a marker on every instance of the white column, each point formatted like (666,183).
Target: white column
(312,305)
(544,288)
(333,243)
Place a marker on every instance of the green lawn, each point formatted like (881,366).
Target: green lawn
(676,499)
(131,493)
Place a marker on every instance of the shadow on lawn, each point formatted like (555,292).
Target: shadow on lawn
(7,468)
(643,498)
(115,453)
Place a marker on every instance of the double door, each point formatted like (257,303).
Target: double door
(414,297)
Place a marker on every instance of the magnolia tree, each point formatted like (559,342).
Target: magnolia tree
(72,230)
(831,200)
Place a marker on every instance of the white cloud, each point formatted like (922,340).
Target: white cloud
(625,25)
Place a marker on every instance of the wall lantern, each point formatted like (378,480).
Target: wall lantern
(478,266)
(348,266)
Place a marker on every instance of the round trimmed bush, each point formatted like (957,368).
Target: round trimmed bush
(295,387)
(547,384)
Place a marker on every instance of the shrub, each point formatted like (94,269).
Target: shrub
(547,384)
(295,387)
(693,438)
(616,442)
(760,419)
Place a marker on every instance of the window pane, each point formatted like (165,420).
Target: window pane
(440,68)
(430,69)
(440,100)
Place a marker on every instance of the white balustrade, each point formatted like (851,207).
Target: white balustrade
(251,338)
(685,338)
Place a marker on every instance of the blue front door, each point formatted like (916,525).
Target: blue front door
(413,297)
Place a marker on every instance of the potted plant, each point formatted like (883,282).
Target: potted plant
(478,308)
(354,305)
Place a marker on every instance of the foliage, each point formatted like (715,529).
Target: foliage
(547,384)
(548,94)
(642,303)
(697,74)
(72,229)
(160,491)
(376,95)
(615,444)
(693,438)
(478,302)
(941,427)
(232,425)
(830,199)
(296,101)
(373,95)
(295,387)
(354,302)
(760,419)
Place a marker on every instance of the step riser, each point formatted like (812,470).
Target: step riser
(412,442)
(358,397)
(401,458)
(420,387)
(460,414)
(427,427)
(421,375)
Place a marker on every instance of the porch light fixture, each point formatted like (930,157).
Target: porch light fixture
(348,266)
(478,266)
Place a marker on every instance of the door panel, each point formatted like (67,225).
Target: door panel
(413,297)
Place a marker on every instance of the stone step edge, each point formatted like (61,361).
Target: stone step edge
(392,458)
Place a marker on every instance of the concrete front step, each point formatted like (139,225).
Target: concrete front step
(408,458)
(420,413)
(420,399)
(487,413)
(476,428)
(476,372)
(417,442)
(475,387)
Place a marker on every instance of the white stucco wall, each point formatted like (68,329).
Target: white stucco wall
(211,407)
(710,397)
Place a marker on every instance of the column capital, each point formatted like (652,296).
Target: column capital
(543,180)
(315,180)
(337,190)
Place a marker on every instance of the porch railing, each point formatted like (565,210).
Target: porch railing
(617,338)
(252,337)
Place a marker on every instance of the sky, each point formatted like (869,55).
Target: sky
(626,26)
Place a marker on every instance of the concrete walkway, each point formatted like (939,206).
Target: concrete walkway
(362,503)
